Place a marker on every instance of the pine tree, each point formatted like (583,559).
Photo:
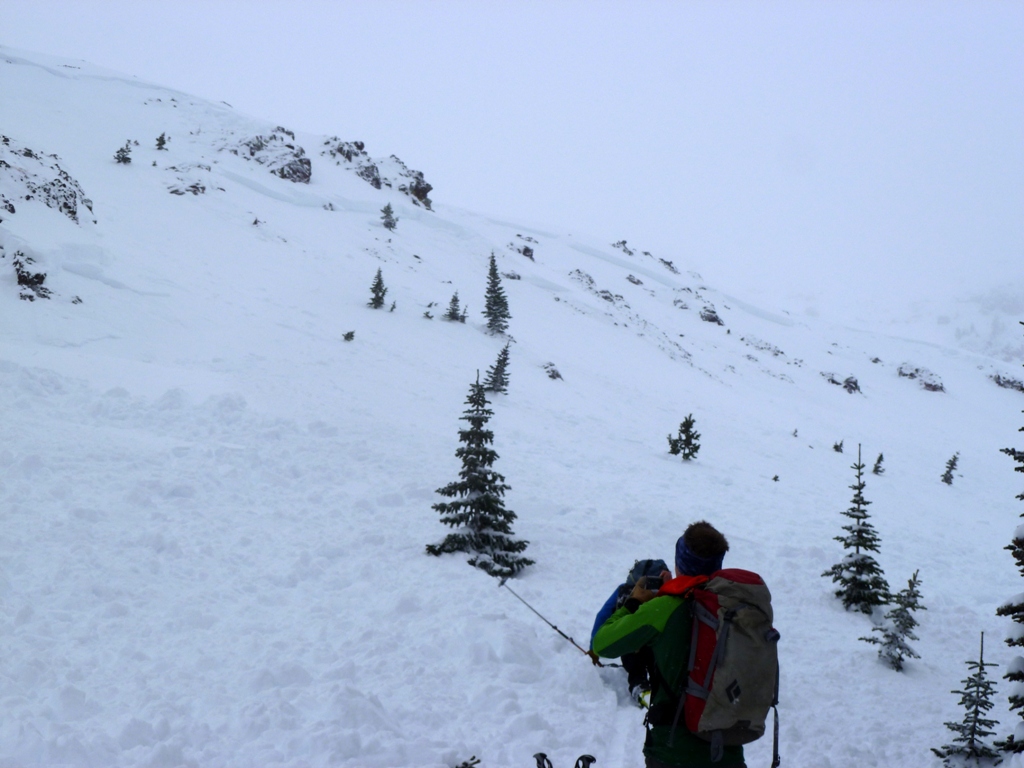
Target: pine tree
(878,468)
(124,154)
(495,303)
(1014,608)
(484,526)
(976,699)
(455,313)
(947,476)
(388,218)
(161,141)
(378,291)
(899,626)
(497,374)
(687,443)
(861,582)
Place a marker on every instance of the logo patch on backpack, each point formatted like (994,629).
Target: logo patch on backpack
(733,691)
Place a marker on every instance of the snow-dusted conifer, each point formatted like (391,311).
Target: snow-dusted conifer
(878,469)
(497,374)
(862,584)
(477,511)
(976,699)
(899,626)
(947,476)
(377,291)
(124,154)
(161,141)
(1014,608)
(455,313)
(495,302)
(388,218)
(687,442)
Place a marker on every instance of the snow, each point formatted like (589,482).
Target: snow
(215,510)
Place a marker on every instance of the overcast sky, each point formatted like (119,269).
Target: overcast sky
(809,149)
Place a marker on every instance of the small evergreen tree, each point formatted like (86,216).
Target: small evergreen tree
(976,699)
(497,374)
(124,154)
(862,584)
(377,291)
(484,526)
(687,442)
(161,141)
(947,476)
(878,469)
(838,447)
(1014,608)
(388,218)
(495,302)
(899,626)
(455,313)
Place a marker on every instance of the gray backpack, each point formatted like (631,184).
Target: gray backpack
(733,679)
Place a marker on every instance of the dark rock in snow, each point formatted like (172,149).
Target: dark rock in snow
(299,170)
(277,153)
(387,172)
(1007,382)
(31,283)
(709,315)
(30,175)
(928,380)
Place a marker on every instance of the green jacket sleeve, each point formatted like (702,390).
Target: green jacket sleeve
(626,632)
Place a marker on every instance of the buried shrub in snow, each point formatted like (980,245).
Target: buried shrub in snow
(388,218)
(878,469)
(862,584)
(687,442)
(495,302)
(1014,608)
(455,313)
(976,698)
(124,154)
(484,526)
(947,476)
(497,374)
(377,292)
(899,626)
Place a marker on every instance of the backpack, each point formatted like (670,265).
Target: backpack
(641,568)
(733,669)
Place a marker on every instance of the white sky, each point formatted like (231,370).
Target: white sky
(819,152)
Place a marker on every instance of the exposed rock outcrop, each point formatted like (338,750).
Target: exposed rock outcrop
(278,152)
(388,172)
(27,175)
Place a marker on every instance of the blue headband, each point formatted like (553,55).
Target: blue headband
(689,564)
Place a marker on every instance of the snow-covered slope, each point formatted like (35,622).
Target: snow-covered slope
(215,508)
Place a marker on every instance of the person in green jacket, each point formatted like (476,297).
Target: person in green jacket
(663,624)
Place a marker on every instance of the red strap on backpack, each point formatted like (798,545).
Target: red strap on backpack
(682,586)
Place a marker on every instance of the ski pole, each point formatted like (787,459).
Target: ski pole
(581,650)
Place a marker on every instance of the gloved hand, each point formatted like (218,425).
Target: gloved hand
(640,591)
